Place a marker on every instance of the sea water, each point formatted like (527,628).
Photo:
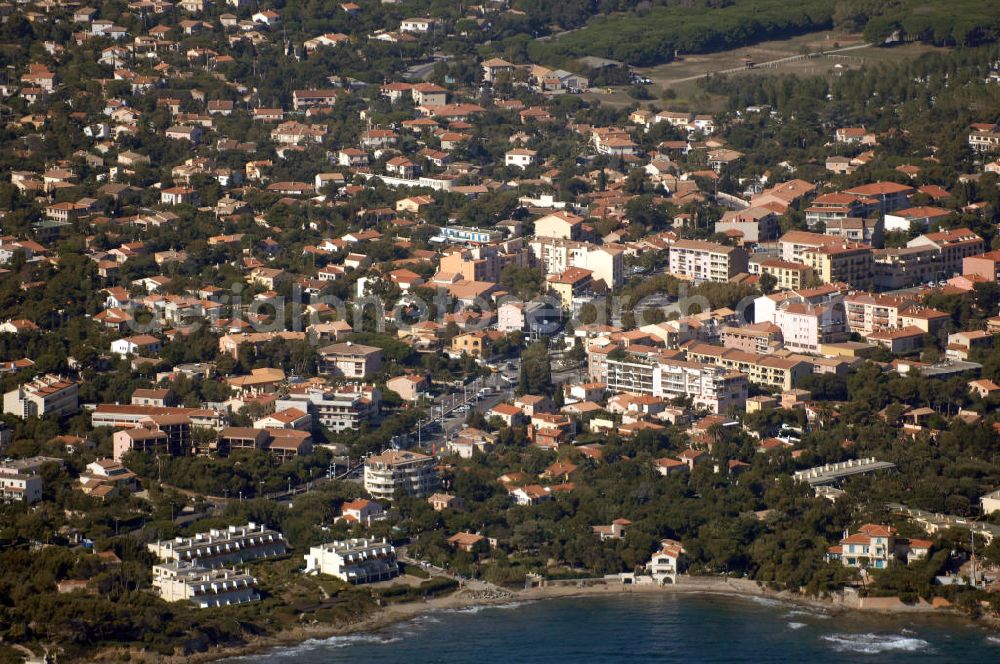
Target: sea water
(652,628)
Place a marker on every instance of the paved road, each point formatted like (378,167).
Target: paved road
(475,585)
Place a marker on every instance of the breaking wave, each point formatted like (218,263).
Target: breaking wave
(873,644)
(484,607)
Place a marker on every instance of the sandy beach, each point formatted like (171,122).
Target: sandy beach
(397,613)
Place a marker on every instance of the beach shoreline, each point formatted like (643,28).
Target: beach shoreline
(394,614)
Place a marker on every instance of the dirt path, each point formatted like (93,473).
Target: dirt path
(766,64)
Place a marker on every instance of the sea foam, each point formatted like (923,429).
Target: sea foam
(872,644)
(484,607)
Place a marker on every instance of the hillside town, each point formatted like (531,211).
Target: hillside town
(320,313)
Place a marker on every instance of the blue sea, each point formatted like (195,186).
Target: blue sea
(654,628)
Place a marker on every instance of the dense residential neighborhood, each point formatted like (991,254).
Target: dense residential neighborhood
(317,313)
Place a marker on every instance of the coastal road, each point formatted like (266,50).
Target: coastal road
(474,585)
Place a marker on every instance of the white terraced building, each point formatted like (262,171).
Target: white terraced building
(220,547)
(177,581)
(355,560)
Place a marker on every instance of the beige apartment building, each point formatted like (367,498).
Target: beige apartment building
(45,395)
(410,472)
(699,261)
(349,360)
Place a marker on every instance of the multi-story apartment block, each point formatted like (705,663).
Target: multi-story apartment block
(45,395)
(985,265)
(466,235)
(203,587)
(788,275)
(794,244)
(20,481)
(303,99)
(572,282)
(804,327)
(410,472)
(19,488)
(170,434)
(806,317)
(710,387)
(355,560)
(781,372)
(607,262)
(902,267)
(221,547)
(349,360)
(869,312)
(131,416)
(854,229)
(953,247)
(827,208)
(760,338)
(844,263)
(888,196)
(481,263)
(338,408)
(707,261)
(756,224)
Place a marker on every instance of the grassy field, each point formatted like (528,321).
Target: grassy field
(682,76)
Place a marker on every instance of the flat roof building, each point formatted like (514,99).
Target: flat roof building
(355,560)
(220,547)
(834,472)
(410,472)
(203,587)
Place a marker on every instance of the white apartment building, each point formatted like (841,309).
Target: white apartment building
(711,387)
(410,472)
(220,547)
(706,261)
(805,322)
(795,244)
(20,482)
(554,256)
(355,560)
(337,409)
(203,587)
(45,395)
(350,360)
(868,312)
